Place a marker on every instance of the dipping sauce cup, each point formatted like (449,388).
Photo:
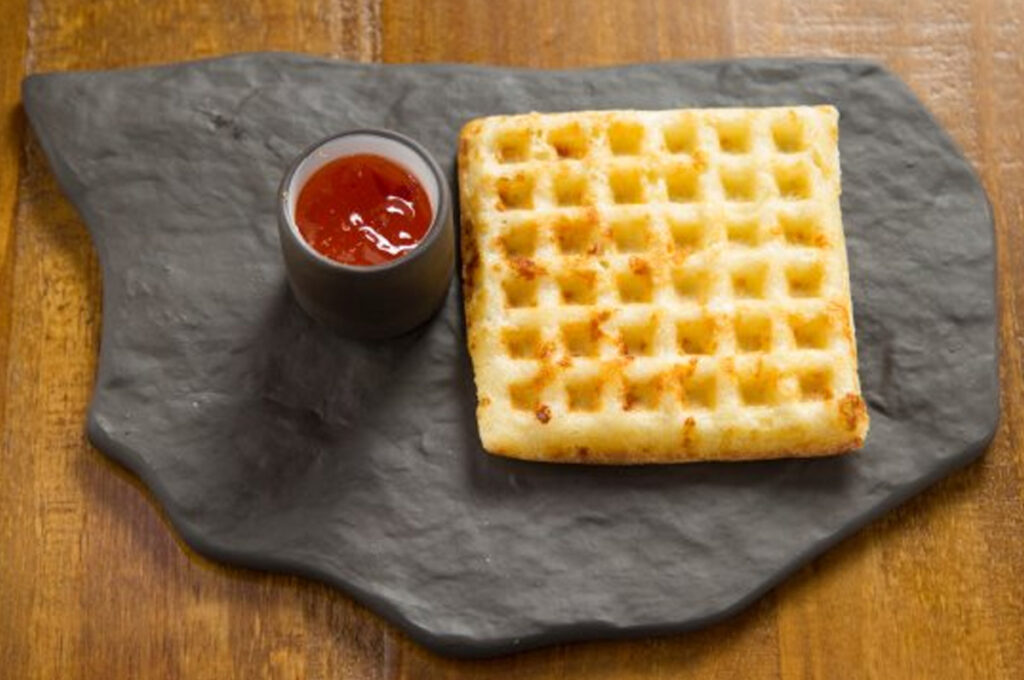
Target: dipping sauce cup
(369,300)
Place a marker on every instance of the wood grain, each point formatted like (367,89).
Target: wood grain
(14,595)
(94,584)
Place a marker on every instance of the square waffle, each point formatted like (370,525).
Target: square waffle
(659,286)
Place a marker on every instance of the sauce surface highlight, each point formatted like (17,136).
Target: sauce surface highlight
(363,210)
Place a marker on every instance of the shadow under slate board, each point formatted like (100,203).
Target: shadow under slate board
(274,444)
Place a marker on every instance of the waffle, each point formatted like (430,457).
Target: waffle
(659,286)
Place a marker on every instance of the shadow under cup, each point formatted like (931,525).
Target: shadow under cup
(376,301)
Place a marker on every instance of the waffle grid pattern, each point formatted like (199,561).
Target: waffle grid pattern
(659,285)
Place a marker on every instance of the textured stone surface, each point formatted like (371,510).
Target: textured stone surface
(274,444)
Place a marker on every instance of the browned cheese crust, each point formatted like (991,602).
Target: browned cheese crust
(659,286)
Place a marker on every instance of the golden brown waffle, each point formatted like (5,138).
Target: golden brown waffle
(659,286)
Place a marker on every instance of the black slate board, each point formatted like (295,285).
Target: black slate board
(274,444)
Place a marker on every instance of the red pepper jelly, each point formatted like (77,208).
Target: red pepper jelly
(363,210)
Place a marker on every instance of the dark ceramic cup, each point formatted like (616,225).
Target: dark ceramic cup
(376,301)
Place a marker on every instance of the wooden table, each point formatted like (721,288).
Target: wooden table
(93,583)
